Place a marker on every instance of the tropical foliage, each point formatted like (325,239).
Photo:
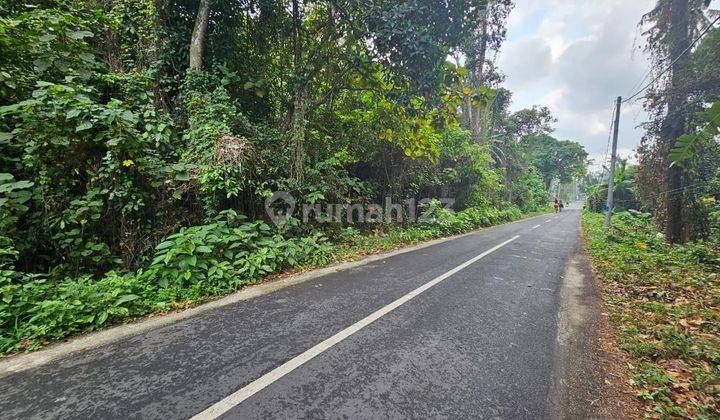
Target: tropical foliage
(659,260)
(678,156)
(139,141)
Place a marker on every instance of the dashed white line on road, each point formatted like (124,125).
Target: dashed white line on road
(535,227)
(232,400)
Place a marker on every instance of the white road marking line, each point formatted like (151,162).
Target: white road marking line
(548,220)
(223,406)
(535,227)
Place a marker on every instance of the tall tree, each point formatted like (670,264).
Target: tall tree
(674,125)
(673,25)
(410,41)
(555,159)
(485,39)
(299,106)
(508,132)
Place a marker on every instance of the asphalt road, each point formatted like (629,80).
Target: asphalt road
(454,331)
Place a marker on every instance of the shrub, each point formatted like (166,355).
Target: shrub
(446,222)
(192,264)
(664,299)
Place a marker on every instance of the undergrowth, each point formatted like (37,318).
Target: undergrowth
(665,303)
(190,266)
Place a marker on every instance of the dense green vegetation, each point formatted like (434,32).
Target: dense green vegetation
(679,156)
(191,265)
(135,164)
(665,301)
(662,288)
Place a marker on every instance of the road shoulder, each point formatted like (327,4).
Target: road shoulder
(591,379)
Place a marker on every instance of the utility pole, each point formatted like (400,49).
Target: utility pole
(613,159)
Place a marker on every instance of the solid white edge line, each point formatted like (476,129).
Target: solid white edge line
(223,406)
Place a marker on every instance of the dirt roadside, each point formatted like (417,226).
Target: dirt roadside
(591,376)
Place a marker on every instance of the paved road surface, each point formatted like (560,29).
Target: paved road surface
(476,338)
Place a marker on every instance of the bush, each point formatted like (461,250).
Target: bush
(197,262)
(220,257)
(445,222)
(664,298)
(597,198)
(529,192)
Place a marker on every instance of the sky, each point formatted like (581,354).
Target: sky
(576,57)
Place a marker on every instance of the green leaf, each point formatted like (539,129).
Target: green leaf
(190,260)
(87,57)
(60,141)
(12,186)
(163,245)
(80,34)
(23,184)
(83,126)
(9,109)
(183,176)
(86,319)
(125,299)
(684,149)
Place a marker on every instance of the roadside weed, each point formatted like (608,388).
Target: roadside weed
(665,302)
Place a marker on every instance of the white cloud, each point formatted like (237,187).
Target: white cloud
(529,60)
(576,57)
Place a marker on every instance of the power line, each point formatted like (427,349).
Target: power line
(668,192)
(642,80)
(702,33)
(648,73)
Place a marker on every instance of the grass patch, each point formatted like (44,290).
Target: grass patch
(665,302)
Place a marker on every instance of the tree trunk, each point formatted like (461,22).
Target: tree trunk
(197,42)
(297,120)
(467,114)
(297,133)
(478,121)
(508,190)
(675,122)
(475,60)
